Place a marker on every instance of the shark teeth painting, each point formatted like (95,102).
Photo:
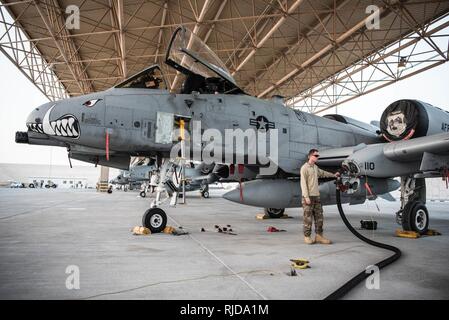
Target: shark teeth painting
(66,126)
(36,127)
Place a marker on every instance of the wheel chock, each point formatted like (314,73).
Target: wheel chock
(263,216)
(138,230)
(407,234)
(431,232)
(415,235)
(168,229)
(299,264)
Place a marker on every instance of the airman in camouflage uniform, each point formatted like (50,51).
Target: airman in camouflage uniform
(311,203)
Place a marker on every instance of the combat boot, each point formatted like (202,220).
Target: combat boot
(320,239)
(308,240)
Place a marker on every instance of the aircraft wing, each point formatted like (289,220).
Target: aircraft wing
(433,146)
(427,155)
(414,149)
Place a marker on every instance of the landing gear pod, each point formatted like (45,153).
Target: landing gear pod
(406,119)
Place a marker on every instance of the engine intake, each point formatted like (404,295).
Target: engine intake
(407,119)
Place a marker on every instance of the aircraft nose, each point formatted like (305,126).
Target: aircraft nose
(35,119)
(51,119)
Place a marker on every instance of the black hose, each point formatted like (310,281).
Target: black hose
(344,289)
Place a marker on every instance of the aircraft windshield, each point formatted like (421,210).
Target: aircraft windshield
(191,54)
(150,78)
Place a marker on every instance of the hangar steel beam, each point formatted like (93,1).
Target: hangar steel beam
(270,32)
(66,45)
(161,31)
(288,50)
(26,57)
(411,55)
(116,17)
(199,20)
(323,52)
(243,45)
(217,15)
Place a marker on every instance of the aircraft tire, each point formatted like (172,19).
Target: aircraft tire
(154,219)
(274,213)
(415,217)
(205,194)
(143,194)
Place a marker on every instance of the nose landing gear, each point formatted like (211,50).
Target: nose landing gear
(154,219)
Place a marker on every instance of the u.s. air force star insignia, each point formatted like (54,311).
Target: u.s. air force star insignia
(261,123)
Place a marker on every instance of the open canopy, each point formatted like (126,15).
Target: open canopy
(191,56)
(149,78)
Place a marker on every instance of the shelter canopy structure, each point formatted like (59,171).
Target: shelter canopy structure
(316,54)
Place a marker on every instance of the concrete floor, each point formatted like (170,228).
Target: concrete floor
(44,231)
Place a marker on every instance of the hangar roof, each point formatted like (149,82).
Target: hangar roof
(283,47)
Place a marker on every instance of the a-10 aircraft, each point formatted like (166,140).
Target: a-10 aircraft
(197,177)
(135,176)
(138,117)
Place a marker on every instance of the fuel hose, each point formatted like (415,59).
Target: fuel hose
(344,289)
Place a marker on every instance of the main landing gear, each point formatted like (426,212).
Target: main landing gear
(413,215)
(274,212)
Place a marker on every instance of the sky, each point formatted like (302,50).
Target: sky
(18,97)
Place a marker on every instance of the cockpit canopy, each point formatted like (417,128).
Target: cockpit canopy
(204,71)
(150,78)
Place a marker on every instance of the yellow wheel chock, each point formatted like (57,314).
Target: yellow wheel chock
(300,263)
(415,235)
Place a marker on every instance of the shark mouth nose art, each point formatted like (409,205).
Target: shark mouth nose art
(36,127)
(66,126)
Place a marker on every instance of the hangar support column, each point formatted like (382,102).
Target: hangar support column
(103,181)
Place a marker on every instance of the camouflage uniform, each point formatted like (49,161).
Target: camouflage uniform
(313,211)
(309,188)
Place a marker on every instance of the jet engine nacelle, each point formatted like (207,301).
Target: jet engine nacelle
(407,119)
(371,160)
(283,193)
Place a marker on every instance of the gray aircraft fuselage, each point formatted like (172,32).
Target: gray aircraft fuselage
(129,116)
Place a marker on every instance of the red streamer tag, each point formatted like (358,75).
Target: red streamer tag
(241,190)
(368,188)
(107,145)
